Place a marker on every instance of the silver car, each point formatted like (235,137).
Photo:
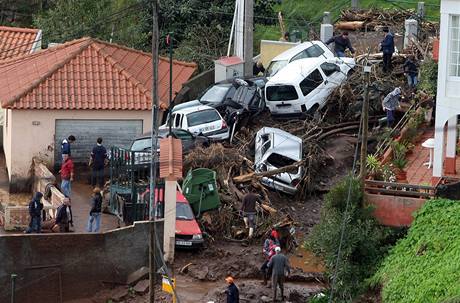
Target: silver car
(275,148)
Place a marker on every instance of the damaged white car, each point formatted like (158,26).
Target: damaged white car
(275,148)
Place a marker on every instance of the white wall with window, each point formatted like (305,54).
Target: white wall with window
(448,91)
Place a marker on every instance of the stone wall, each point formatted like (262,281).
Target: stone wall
(51,267)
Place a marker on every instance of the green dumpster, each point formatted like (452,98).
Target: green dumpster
(200,189)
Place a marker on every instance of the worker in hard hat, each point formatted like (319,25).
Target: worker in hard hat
(233,294)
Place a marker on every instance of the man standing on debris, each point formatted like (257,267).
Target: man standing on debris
(341,43)
(411,71)
(390,104)
(97,161)
(269,251)
(387,46)
(66,174)
(65,146)
(95,212)
(64,216)
(279,264)
(233,294)
(35,212)
(248,209)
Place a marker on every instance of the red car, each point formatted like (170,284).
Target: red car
(188,233)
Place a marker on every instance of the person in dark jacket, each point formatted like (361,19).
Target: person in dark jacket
(258,68)
(35,212)
(64,216)
(279,265)
(249,211)
(233,294)
(97,162)
(65,145)
(411,71)
(96,212)
(390,103)
(387,46)
(269,251)
(341,43)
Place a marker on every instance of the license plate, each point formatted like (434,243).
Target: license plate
(206,129)
(184,243)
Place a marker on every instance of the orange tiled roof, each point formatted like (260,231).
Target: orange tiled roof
(16,41)
(87,74)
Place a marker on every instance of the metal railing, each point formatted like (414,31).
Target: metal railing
(400,189)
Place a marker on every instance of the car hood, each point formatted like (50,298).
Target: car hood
(283,143)
(187,227)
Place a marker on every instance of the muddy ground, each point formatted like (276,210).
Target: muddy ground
(200,274)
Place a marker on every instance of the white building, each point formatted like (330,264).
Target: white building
(448,94)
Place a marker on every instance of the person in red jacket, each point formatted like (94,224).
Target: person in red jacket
(66,175)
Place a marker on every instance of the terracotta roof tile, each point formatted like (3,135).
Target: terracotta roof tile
(16,41)
(87,74)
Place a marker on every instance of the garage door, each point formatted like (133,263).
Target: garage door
(113,132)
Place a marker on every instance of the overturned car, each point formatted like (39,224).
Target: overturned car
(275,148)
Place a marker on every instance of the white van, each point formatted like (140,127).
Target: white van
(310,49)
(304,85)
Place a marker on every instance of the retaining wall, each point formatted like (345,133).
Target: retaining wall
(59,267)
(393,211)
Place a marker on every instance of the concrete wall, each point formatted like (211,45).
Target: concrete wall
(23,140)
(71,265)
(393,210)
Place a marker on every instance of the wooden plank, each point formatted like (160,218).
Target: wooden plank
(398,192)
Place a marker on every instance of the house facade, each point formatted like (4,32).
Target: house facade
(86,88)
(448,91)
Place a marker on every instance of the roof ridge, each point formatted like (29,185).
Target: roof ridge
(121,69)
(49,73)
(19,29)
(185,63)
(40,52)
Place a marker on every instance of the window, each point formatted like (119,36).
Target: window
(217,93)
(182,134)
(311,82)
(278,160)
(274,67)
(141,144)
(311,52)
(281,93)
(183,211)
(454,47)
(177,120)
(202,117)
(329,68)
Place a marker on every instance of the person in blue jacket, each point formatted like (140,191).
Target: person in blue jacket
(35,212)
(387,46)
(65,145)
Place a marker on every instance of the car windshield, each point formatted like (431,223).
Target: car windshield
(215,94)
(202,117)
(281,93)
(141,144)
(278,160)
(183,211)
(275,66)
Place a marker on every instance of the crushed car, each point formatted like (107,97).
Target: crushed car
(198,119)
(275,148)
(309,49)
(303,86)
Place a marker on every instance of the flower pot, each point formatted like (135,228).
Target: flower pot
(401,176)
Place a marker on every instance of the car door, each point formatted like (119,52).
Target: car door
(313,89)
(188,140)
(333,74)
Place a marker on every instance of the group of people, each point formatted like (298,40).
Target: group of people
(276,266)
(64,218)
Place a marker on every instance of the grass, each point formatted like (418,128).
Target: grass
(425,266)
(300,15)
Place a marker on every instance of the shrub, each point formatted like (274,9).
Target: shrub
(425,266)
(429,77)
(364,241)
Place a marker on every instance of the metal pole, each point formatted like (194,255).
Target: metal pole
(354,4)
(365,111)
(171,105)
(248,36)
(13,286)
(154,154)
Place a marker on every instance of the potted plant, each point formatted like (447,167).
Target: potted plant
(373,167)
(399,160)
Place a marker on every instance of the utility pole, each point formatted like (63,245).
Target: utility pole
(171,105)
(153,150)
(365,121)
(248,36)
